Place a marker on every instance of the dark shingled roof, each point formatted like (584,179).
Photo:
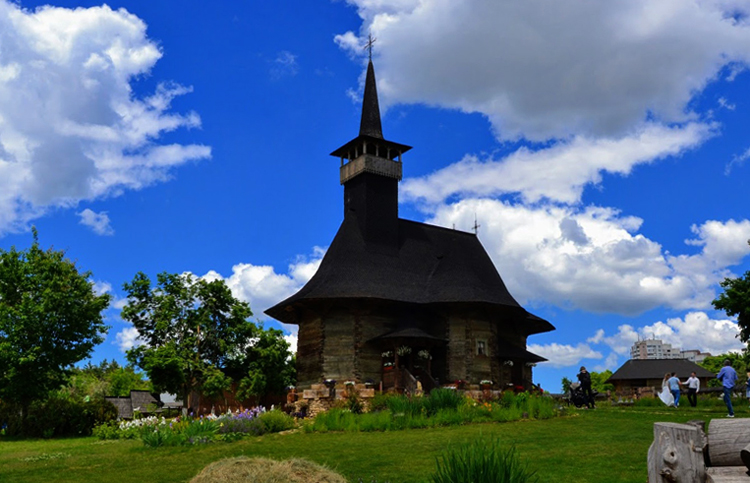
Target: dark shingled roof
(123,405)
(509,351)
(656,368)
(431,265)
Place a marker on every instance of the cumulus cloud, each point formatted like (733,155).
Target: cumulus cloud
(564,355)
(696,330)
(99,222)
(541,70)
(128,338)
(594,258)
(557,173)
(71,127)
(262,287)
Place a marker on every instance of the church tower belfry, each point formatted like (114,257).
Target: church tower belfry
(370,172)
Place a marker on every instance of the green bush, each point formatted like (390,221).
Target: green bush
(481,461)
(58,416)
(442,398)
(159,436)
(276,421)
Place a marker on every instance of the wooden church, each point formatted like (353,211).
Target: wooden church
(395,300)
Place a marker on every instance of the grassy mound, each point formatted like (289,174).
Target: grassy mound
(264,470)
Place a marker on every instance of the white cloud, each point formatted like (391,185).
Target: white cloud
(564,355)
(262,287)
(559,172)
(128,338)
(292,339)
(594,258)
(696,330)
(543,70)
(99,222)
(610,363)
(284,65)
(71,128)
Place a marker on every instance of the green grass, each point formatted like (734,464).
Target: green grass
(605,445)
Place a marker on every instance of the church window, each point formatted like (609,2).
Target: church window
(481,347)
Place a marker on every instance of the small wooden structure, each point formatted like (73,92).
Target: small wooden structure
(684,453)
(636,374)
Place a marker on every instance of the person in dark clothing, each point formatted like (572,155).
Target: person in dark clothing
(585,379)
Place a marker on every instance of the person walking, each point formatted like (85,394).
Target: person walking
(694,385)
(666,395)
(674,388)
(585,379)
(728,377)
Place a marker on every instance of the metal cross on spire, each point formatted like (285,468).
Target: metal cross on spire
(476,225)
(370,42)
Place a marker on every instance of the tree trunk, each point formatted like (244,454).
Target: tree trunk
(726,440)
(676,455)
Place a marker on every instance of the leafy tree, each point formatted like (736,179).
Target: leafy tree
(735,301)
(105,379)
(598,381)
(50,318)
(266,365)
(715,363)
(566,384)
(191,328)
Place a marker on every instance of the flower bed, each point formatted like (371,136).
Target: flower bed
(155,431)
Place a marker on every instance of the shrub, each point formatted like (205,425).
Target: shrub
(442,398)
(158,436)
(380,401)
(481,461)
(276,421)
(58,416)
(198,431)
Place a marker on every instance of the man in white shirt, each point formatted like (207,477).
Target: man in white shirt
(694,385)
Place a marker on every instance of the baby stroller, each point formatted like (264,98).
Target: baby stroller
(576,395)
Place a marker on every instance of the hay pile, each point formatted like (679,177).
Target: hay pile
(264,470)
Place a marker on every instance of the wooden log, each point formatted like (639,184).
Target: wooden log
(676,455)
(726,439)
(727,474)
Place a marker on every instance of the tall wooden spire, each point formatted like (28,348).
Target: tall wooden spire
(370,123)
(370,172)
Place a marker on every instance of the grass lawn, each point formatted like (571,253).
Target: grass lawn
(605,445)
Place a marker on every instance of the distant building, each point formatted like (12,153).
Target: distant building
(653,349)
(657,349)
(694,355)
(638,374)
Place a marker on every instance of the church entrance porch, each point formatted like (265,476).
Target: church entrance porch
(407,359)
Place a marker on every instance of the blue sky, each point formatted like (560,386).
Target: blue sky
(601,146)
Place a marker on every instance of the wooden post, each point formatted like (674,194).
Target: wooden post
(676,455)
(726,440)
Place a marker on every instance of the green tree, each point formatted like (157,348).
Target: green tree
(50,318)
(738,361)
(191,328)
(265,366)
(105,379)
(566,384)
(735,301)
(598,381)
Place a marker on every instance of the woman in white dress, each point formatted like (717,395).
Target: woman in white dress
(666,395)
